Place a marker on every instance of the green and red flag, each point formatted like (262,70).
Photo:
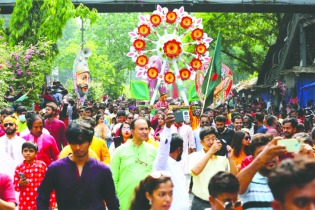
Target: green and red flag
(213,76)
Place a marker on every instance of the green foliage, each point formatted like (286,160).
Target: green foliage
(246,37)
(32,19)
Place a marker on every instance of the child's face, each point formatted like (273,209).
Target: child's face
(29,153)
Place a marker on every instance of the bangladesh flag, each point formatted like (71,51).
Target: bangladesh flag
(213,75)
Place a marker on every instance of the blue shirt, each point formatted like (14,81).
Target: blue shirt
(78,193)
(197,139)
(262,129)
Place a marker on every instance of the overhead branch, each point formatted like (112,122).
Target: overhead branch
(240,59)
(252,36)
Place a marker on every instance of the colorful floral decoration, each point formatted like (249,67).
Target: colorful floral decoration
(197,34)
(195,63)
(171,17)
(142,60)
(172,48)
(139,44)
(153,73)
(155,20)
(169,77)
(200,49)
(144,30)
(184,74)
(186,22)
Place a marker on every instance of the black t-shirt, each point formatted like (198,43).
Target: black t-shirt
(227,135)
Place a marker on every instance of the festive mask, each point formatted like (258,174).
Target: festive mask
(81,76)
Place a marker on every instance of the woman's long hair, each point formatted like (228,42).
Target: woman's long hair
(97,118)
(237,143)
(149,184)
(163,116)
(120,130)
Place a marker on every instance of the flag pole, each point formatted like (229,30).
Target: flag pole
(203,106)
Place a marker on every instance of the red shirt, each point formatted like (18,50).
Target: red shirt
(57,129)
(6,189)
(35,173)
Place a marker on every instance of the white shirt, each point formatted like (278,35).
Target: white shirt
(163,162)
(186,132)
(26,131)
(10,154)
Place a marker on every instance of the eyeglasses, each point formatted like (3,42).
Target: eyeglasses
(141,162)
(228,205)
(158,174)
(7,124)
(204,122)
(247,138)
(130,118)
(126,129)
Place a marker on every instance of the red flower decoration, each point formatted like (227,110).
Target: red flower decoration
(200,49)
(171,17)
(152,73)
(139,44)
(155,20)
(144,30)
(184,74)
(197,34)
(142,60)
(169,78)
(195,63)
(172,48)
(186,22)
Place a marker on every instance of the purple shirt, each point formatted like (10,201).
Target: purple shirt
(57,129)
(73,192)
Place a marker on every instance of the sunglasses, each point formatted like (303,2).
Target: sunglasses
(158,174)
(141,162)
(130,118)
(7,124)
(247,138)
(228,205)
(126,129)
(204,122)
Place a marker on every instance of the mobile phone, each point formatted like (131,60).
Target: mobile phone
(292,145)
(157,134)
(22,176)
(181,116)
(223,151)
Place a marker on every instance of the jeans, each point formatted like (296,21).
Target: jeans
(198,205)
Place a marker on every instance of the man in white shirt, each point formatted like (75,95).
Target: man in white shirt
(26,131)
(169,153)
(186,132)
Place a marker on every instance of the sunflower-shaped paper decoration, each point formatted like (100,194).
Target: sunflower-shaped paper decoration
(171,17)
(139,44)
(152,73)
(144,30)
(169,77)
(186,22)
(172,48)
(155,20)
(184,74)
(197,34)
(200,49)
(195,63)
(142,60)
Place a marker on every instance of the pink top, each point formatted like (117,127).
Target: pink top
(160,104)
(47,147)
(6,189)
(57,129)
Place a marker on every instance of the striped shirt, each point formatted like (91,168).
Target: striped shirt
(258,194)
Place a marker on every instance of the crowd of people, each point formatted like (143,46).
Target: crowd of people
(124,154)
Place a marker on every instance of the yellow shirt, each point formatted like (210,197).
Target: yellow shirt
(214,165)
(100,148)
(67,150)
(153,142)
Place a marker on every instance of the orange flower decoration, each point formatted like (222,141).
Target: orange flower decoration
(169,78)
(172,48)
(186,22)
(144,30)
(155,20)
(197,34)
(152,73)
(195,63)
(171,17)
(200,49)
(139,44)
(142,60)
(184,74)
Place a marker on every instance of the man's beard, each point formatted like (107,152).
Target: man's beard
(49,115)
(10,132)
(81,92)
(220,130)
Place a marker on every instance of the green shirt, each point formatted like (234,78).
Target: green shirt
(21,126)
(127,173)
